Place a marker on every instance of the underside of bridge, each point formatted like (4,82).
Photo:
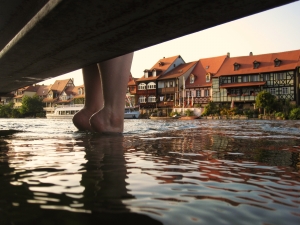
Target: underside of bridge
(41,39)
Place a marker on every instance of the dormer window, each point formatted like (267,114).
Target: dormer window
(192,78)
(236,66)
(256,64)
(277,62)
(207,77)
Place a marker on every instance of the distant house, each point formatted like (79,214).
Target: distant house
(78,94)
(170,86)
(60,93)
(241,78)
(147,84)
(198,85)
(7,98)
(26,91)
(131,91)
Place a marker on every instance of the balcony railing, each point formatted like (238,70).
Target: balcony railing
(167,90)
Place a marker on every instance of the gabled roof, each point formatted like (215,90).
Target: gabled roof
(177,71)
(59,85)
(43,90)
(289,61)
(32,88)
(71,90)
(160,66)
(132,82)
(204,66)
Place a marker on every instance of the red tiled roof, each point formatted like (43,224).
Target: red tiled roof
(204,66)
(246,84)
(49,99)
(178,71)
(59,85)
(161,66)
(289,61)
(132,82)
(32,88)
(43,90)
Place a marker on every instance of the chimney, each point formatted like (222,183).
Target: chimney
(228,54)
(250,54)
(146,73)
(154,73)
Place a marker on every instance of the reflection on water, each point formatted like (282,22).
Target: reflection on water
(162,172)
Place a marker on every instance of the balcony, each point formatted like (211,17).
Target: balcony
(165,104)
(167,90)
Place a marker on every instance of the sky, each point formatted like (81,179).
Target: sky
(275,30)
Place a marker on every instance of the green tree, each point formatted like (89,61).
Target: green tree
(31,105)
(8,111)
(210,109)
(266,100)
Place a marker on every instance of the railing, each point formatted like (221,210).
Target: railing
(74,105)
(166,90)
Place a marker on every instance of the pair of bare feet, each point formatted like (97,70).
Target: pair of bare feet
(105,89)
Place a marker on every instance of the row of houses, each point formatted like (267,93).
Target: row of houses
(62,92)
(173,83)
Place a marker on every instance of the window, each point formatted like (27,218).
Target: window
(245,78)
(256,64)
(198,94)
(142,99)
(207,77)
(266,77)
(142,86)
(273,91)
(279,76)
(277,62)
(151,85)
(151,98)
(284,90)
(206,92)
(188,94)
(254,78)
(236,66)
(234,79)
(192,79)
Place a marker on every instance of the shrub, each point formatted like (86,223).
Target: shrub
(295,114)
(188,112)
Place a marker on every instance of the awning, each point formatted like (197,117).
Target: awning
(245,84)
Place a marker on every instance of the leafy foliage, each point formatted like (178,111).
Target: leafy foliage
(31,105)
(266,100)
(295,114)
(8,111)
(210,109)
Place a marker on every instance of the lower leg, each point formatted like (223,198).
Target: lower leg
(93,97)
(115,76)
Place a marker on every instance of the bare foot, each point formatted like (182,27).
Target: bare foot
(81,120)
(107,121)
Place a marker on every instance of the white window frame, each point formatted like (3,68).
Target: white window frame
(142,86)
(151,85)
(151,98)
(206,92)
(142,99)
(192,79)
(207,78)
(198,93)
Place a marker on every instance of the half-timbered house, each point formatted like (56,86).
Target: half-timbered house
(147,85)
(241,78)
(198,85)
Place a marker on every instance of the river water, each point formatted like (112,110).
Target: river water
(157,172)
